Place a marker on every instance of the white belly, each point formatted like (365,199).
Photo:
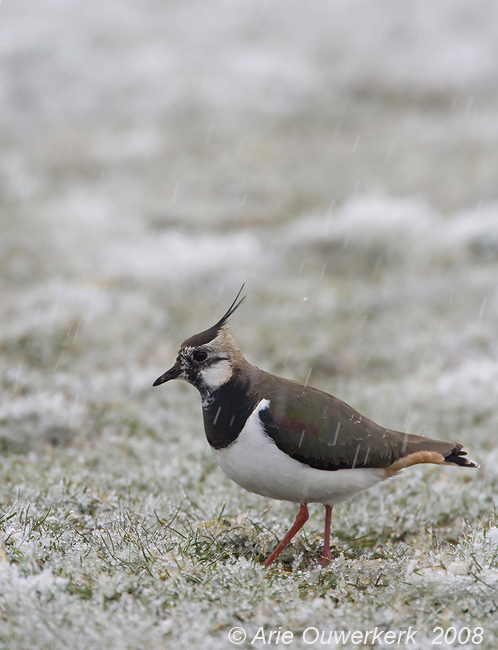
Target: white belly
(256,463)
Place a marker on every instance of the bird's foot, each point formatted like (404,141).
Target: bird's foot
(326,558)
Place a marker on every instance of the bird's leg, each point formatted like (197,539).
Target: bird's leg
(301,519)
(326,554)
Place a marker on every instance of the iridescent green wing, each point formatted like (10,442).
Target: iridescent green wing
(324,432)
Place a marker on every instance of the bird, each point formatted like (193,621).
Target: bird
(288,441)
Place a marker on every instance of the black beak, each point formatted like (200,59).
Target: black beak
(172,373)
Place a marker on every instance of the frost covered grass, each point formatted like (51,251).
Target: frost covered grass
(119,529)
(151,162)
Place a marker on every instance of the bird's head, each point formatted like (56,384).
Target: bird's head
(207,360)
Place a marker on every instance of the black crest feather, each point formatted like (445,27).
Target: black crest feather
(235,305)
(212,332)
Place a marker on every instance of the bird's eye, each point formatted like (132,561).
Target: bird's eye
(199,355)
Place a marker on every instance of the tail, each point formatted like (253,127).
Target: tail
(413,450)
(456,457)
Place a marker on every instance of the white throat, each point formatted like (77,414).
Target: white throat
(216,374)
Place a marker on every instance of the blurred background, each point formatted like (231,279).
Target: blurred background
(341,159)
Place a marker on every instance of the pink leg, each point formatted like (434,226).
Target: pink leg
(327,555)
(301,519)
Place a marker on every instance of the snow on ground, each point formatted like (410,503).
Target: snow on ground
(341,160)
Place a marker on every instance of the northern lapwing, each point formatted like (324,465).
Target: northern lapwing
(287,441)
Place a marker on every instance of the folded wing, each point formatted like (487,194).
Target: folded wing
(326,433)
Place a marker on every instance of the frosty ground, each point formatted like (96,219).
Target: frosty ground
(342,162)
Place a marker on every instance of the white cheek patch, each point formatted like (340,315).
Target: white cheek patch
(217,374)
